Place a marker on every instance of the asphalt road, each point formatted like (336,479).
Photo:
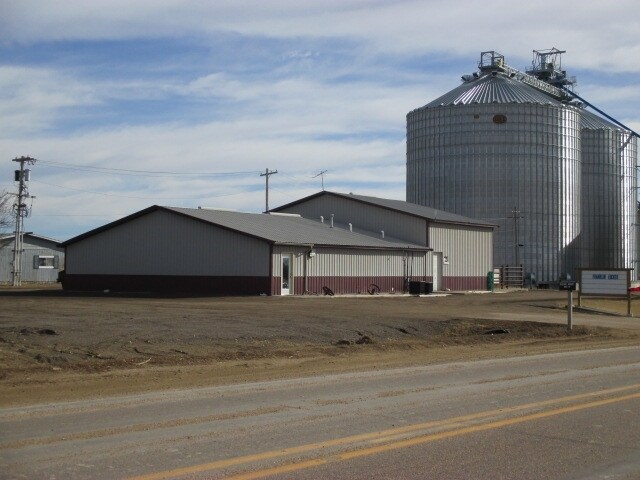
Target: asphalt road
(570,416)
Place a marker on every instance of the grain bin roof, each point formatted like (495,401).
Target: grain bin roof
(492,89)
(413,209)
(594,122)
(277,229)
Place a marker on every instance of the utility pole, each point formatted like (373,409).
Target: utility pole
(23,175)
(321,175)
(267,174)
(515,214)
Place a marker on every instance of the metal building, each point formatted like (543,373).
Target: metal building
(42,259)
(513,149)
(222,252)
(462,248)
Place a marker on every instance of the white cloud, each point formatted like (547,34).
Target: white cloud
(308,113)
(248,145)
(32,99)
(600,36)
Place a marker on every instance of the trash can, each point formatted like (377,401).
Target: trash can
(415,288)
(420,288)
(490,281)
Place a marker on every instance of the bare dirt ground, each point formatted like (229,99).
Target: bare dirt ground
(60,346)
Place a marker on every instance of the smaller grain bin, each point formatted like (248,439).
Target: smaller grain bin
(609,204)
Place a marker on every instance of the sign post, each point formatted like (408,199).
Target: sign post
(569,286)
(570,310)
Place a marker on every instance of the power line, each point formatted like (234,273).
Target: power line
(297,182)
(153,173)
(136,197)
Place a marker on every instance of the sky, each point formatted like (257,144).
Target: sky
(127,104)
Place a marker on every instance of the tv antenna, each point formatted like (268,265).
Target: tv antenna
(321,175)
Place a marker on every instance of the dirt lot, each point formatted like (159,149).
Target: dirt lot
(55,345)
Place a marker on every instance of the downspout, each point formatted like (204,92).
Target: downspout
(270,276)
(427,235)
(305,287)
(426,256)
(306,270)
(426,264)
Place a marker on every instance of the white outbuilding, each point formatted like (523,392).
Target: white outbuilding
(41,258)
(460,248)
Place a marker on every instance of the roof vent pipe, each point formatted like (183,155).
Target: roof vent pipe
(332,220)
(321,219)
(382,233)
(351,227)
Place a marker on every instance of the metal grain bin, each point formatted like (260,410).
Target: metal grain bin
(608,238)
(499,150)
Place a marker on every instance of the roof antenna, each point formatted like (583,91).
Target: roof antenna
(321,175)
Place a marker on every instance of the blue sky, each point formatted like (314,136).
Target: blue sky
(104,92)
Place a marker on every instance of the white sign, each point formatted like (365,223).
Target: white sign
(604,282)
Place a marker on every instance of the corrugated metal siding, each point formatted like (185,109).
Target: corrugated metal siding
(364,217)
(6,257)
(464,283)
(162,243)
(212,285)
(469,250)
(347,262)
(353,285)
(348,270)
(363,263)
(460,161)
(608,238)
(29,274)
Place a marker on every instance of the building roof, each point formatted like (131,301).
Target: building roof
(498,88)
(32,235)
(276,229)
(413,209)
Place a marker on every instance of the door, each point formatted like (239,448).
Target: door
(437,271)
(287,275)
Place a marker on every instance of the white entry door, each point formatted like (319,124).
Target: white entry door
(287,275)
(437,271)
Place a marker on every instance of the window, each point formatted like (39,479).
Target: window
(45,261)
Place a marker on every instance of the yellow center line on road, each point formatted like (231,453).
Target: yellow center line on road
(389,435)
(365,452)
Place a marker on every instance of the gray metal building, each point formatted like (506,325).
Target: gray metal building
(517,150)
(462,248)
(42,259)
(222,252)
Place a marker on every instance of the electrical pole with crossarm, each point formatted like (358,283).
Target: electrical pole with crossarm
(515,214)
(267,174)
(21,210)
